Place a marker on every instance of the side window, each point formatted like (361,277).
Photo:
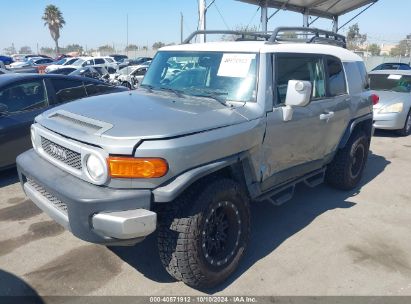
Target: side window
(67,90)
(99,61)
(294,67)
(140,72)
(364,75)
(95,88)
(88,62)
(336,77)
(24,96)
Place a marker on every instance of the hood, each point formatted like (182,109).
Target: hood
(390,97)
(137,115)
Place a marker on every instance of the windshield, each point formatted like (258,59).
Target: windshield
(392,82)
(78,62)
(126,70)
(230,76)
(71,61)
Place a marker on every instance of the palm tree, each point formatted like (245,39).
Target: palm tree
(55,21)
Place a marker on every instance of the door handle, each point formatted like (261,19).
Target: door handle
(327,116)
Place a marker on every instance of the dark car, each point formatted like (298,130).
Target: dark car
(90,72)
(393,66)
(140,60)
(6,59)
(118,58)
(24,96)
(63,71)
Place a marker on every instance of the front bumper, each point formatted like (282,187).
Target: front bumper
(93,213)
(389,121)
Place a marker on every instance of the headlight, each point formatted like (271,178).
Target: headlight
(96,168)
(394,108)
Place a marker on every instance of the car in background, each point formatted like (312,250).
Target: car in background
(118,58)
(62,71)
(393,66)
(98,73)
(130,76)
(24,96)
(64,62)
(139,60)
(393,112)
(5,71)
(23,64)
(41,62)
(105,62)
(6,59)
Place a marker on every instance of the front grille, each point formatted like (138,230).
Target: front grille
(67,156)
(51,198)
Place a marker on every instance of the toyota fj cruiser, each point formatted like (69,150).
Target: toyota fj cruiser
(213,127)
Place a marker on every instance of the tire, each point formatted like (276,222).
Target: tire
(407,126)
(127,85)
(203,234)
(346,169)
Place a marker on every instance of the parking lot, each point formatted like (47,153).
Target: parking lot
(323,242)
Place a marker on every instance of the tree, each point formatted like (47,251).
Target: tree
(106,49)
(131,47)
(10,50)
(74,48)
(157,45)
(25,50)
(53,18)
(239,28)
(354,38)
(46,50)
(374,49)
(402,49)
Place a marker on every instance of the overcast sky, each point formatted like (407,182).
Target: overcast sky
(93,23)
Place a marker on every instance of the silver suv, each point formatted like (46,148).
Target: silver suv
(212,128)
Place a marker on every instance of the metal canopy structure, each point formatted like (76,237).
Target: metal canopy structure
(330,9)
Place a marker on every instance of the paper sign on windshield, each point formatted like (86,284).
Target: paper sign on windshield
(235,65)
(395,77)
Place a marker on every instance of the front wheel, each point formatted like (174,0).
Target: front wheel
(203,235)
(407,126)
(346,169)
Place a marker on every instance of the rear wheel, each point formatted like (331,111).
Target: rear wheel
(127,85)
(203,234)
(407,127)
(346,169)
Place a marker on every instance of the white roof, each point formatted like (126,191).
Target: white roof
(391,72)
(262,47)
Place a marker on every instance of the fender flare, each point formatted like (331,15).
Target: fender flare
(351,127)
(173,189)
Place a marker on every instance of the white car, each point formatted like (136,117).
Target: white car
(129,76)
(26,63)
(62,63)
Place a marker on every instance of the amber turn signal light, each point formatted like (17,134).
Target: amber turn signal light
(130,167)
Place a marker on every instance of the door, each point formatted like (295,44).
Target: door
(23,101)
(337,105)
(295,147)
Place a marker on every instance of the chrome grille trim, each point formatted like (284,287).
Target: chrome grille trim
(72,159)
(54,201)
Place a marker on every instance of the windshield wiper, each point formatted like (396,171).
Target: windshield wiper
(213,95)
(168,89)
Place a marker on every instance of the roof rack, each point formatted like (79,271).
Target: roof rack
(244,35)
(307,35)
(281,34)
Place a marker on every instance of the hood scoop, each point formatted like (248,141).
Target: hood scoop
(81,123)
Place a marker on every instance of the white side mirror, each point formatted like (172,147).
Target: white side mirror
(298,95)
